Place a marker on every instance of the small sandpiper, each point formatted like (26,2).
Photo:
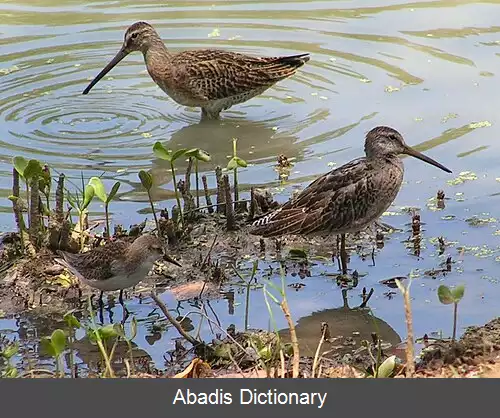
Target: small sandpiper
(116,265)
(348,198)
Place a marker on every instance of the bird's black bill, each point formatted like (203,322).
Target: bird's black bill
(118,57)
(166,257)
(420,156)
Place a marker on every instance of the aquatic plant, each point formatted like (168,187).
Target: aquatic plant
(72,325)
(198,155)
(283,304)
(161,152)
(248,285)
(31,172)
(7,352)
(147,183)
(54,346)
(233,165)
(448,296)
(100,192)
(80,202)
(120,331)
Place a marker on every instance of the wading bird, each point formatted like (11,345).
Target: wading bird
(348,198)
(212,79)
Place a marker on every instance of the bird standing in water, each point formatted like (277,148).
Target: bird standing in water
(348,198)
(212,79)
(117,265)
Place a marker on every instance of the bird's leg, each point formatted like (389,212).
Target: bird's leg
(125,314)
(101,303)
(120,298)
(343,254)
(101,313)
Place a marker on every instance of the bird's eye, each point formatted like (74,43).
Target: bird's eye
(134,35)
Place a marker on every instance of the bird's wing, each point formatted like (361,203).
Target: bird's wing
(97,264)
(216,74)
(332,202)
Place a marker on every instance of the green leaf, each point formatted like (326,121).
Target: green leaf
(10,350)
(387,367)
(88,195)
(114,191)
(33,169)
(107,332)
(161,152)
(20,164)
(178,153)
(71,320)
(99,189)
(133,328)
(58,340)
(199,154)
(458,293)
(71,201)
(146,179)
(119,330)
(241,162)
(232,164)
(444,294)
(47,347)
(13,198)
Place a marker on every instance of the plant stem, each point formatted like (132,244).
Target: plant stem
(247,302)
(154,212)
(174,322)
(176,193)
(410,365)
(455,307)
(235,185)
(197,183)
(106,211)
(293,338)
(82,237)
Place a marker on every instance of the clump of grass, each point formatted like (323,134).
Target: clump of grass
(448,296)
(80,201)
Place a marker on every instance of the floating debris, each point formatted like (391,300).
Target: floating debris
(462,178)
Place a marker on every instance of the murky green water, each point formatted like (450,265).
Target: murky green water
(428,69)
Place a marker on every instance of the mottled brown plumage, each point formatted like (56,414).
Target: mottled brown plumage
(212,79)
(117,265)
(350,197)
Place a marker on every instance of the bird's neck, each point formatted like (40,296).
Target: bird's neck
(155,49)
(383,159)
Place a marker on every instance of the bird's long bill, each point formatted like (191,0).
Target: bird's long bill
(118,57)
(166,257)
(420,156)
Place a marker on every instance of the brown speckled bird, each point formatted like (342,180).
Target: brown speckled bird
(212,79)
(117,265)
(348,198)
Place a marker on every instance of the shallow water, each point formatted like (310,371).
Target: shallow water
(429,69)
